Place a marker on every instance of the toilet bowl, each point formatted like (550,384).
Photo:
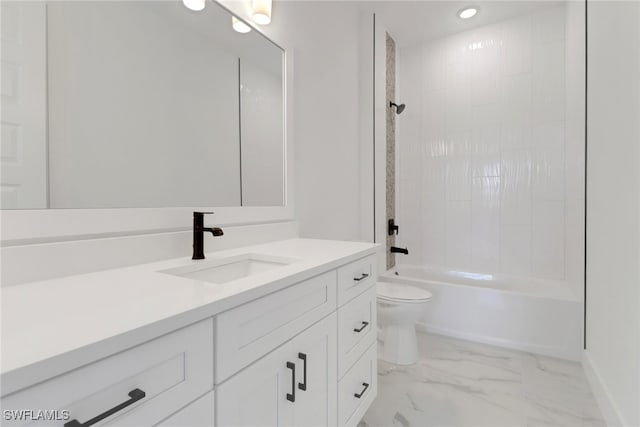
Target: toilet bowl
(399,308)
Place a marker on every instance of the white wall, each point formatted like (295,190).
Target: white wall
(482,147)
(613,208)
(323,36)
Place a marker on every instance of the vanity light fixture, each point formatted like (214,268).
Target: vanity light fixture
(239,25)
(196,5)
(262,12)
(467,12)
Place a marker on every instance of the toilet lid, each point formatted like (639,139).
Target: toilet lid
(402,293)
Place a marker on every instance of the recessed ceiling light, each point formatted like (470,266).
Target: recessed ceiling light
(467,12)
(239,25)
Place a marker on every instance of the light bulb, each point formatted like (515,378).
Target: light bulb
(262,12)
(196,5)
(239,26)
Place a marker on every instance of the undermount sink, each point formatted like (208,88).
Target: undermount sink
(225,270)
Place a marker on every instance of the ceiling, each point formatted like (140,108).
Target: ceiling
(415,21)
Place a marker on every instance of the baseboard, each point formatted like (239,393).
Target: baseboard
(607,406)
(561,353)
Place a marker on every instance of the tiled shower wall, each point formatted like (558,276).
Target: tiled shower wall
(481,148)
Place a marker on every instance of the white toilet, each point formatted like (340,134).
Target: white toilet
(399,308)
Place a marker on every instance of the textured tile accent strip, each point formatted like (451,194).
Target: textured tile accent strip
(391,145)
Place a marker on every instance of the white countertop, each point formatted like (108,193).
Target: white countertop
(52,326)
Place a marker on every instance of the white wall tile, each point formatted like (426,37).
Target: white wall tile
(547,258)
(490,155)
(458,234)
(516,91)
(516,46)
(433,234)
(548,161)
(486,152)
(515,187)
(515,249)
(485,224)
(548,24)
(458,166)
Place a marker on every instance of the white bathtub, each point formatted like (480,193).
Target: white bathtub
(533,315)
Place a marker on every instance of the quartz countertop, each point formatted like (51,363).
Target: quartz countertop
(52,326)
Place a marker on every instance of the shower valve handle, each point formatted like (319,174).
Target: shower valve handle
(392,227)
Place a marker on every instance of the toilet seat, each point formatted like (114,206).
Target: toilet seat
(397,292)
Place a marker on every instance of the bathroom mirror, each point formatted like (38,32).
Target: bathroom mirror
(138,104)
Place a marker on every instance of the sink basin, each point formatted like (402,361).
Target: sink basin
(225,270)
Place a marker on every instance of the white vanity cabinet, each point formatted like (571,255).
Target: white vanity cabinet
(299,383)
(301,355)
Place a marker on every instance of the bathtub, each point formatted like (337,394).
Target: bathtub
(538,316)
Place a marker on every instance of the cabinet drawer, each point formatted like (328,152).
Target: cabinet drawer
(356,329)
(354,278)
(246,333)
(198,414)
(357,389)
(168,372)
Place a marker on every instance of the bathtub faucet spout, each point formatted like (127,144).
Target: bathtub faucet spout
(395,250)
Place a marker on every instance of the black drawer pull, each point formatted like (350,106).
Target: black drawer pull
(360,329)
(135,395)
(291,397)
(366,386)
(362,277)
(303,385)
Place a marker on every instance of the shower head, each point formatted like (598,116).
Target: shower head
(399,108)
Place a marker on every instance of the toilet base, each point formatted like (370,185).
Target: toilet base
(399,344)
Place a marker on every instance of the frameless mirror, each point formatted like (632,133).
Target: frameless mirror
(138,104)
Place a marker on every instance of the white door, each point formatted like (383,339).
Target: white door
(257,396)
(23,158)
(316,396)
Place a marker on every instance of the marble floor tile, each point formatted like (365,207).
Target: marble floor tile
(461,383)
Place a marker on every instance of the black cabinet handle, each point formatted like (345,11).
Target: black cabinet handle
(360,329)
(135,395)
(362,277)
(366,386)
(303,385)
(291,397)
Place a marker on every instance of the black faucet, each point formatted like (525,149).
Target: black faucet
(395,250)
(198,234)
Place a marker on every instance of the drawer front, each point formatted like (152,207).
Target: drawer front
(356,277)
(198,414)
(246,333)
(356,329)
(168,373)
(354,396)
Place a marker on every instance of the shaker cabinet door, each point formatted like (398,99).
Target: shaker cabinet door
(316,352)
(294,385)
(257,396)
